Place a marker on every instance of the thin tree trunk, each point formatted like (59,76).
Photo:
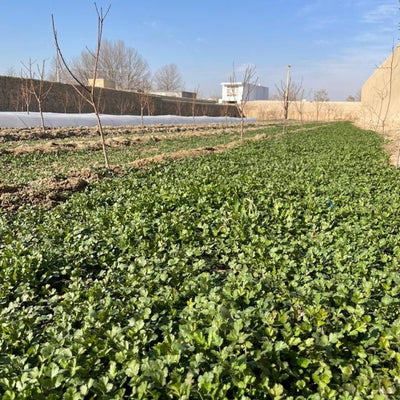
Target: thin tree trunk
(286,105)
(84,93)
(103,143)
(241,127)
(41,116)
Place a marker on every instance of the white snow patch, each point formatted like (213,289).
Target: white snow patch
(55,120)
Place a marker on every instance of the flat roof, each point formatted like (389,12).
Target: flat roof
(232,83)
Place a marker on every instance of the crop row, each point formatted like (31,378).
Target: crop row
(42,164)
(270,271)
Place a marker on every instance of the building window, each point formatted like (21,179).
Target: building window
(230,91)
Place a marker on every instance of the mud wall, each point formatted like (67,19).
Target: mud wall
(378,110)
(305,110)
(380,95)
(63,98)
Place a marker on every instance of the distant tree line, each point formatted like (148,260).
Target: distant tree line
(117,62)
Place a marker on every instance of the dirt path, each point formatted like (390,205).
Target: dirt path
(117,141)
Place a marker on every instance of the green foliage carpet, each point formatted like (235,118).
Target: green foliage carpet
(270,271)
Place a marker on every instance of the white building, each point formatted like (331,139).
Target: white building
(102,83)
(236,92)
(180,93)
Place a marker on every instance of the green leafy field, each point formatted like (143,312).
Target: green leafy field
(270,271)
(25,168)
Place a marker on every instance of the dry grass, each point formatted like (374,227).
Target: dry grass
(392,145)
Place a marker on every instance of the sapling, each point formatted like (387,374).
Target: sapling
(87,93)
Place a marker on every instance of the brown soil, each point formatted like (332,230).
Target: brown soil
(114,141)
(45,192)
(118,141)
(21,134)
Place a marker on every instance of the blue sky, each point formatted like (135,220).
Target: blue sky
(330,44)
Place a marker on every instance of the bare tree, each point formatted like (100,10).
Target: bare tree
(124,104)
(333,112)
(275,96)
(36,86)
(144,94)
(118,63)
(299,103)
(225,110)
(54,73)
(242,91)
(17,98)
(286,98)
(386,92)
(12,72)
(168,78)
(178,103)
(204,108)
(150,105)
(89,94)
(66,99)
(290,92)
(26,94)
(79,101)
(101,105)
(193,104)
(6,96)
(320,98)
